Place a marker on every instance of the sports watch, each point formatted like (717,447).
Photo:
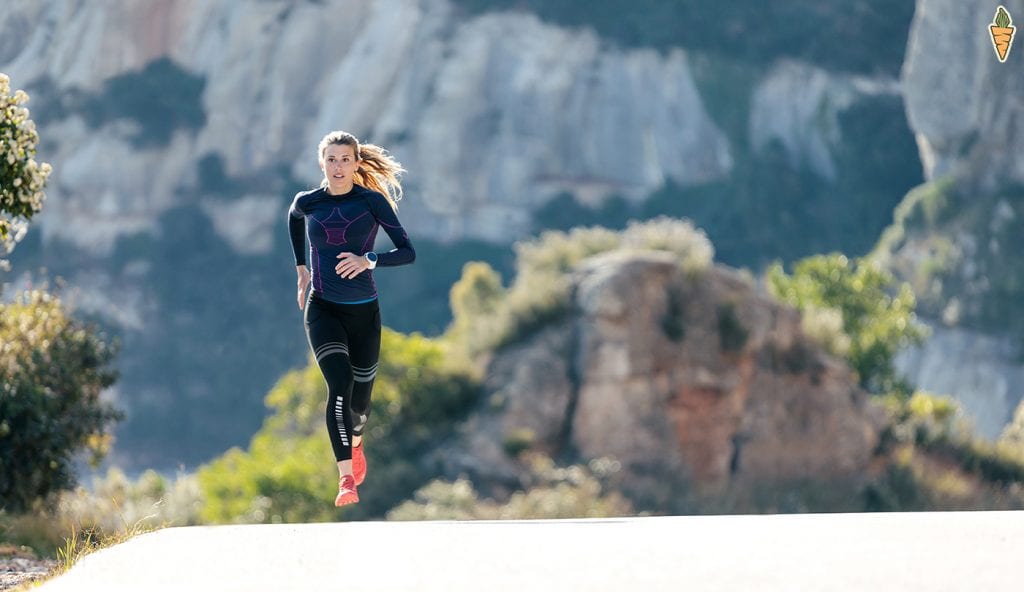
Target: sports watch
(371,257)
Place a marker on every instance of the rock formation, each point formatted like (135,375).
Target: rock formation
(682,379)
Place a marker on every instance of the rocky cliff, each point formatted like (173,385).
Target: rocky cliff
(691,382)
(958,239)
(963,104)
(494,114)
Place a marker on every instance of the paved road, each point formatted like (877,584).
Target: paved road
(969,551)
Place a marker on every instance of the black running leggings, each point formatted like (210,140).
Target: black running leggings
(345,338)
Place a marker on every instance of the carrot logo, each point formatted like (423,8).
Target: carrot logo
(1002,34)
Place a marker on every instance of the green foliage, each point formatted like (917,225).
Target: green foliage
(115,504)
(899,488)
(921,419)
(936,462)
(486,318)
(962,249)
(924,207)
(556,492)
(288,472)
(868,36)
(825,327)
(1013,434)
(920,224)
(417,297)
(475,299)
(21,177)
(539,294)
(113,508)
(877,322)
(52,370)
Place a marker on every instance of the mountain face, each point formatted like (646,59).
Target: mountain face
(179,131)
(958,238)
(951,68)
(494,115)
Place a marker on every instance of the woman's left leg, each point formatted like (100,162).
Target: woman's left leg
(364,351)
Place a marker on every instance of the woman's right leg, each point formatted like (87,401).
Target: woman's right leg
(329,342)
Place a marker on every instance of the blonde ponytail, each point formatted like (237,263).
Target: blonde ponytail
(380,172)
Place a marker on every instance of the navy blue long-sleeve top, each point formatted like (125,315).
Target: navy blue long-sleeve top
(335,224)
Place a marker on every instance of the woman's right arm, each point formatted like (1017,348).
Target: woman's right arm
(303,283)
(297,232)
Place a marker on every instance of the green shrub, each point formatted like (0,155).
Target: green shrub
(877,321)
(115,503)
(488,318)
(933,425)
(476,301)
(21,177)
(555,492)
(1013,434)
(52,371)
(114,507)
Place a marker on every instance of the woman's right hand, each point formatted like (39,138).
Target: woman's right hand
(303,284)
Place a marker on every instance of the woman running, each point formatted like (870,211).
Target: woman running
(358,195)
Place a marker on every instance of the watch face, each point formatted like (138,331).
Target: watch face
(371,257)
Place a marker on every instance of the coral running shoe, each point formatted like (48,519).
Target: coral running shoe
(347,493)
(358,464)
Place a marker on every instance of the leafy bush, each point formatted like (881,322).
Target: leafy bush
(115,504)
(924,207)
(1013,434)
(21,177)
(556,492)
(825,326)
(52,370)
(475,300)
(936,462)
(113,508)
(487,318)
(876,323)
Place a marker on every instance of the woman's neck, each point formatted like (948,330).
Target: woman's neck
(341,189)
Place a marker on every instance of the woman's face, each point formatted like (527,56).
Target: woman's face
(339,164)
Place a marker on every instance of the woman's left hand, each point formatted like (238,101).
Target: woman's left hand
(351,265)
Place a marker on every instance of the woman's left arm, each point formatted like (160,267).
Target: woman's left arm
(403,253)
